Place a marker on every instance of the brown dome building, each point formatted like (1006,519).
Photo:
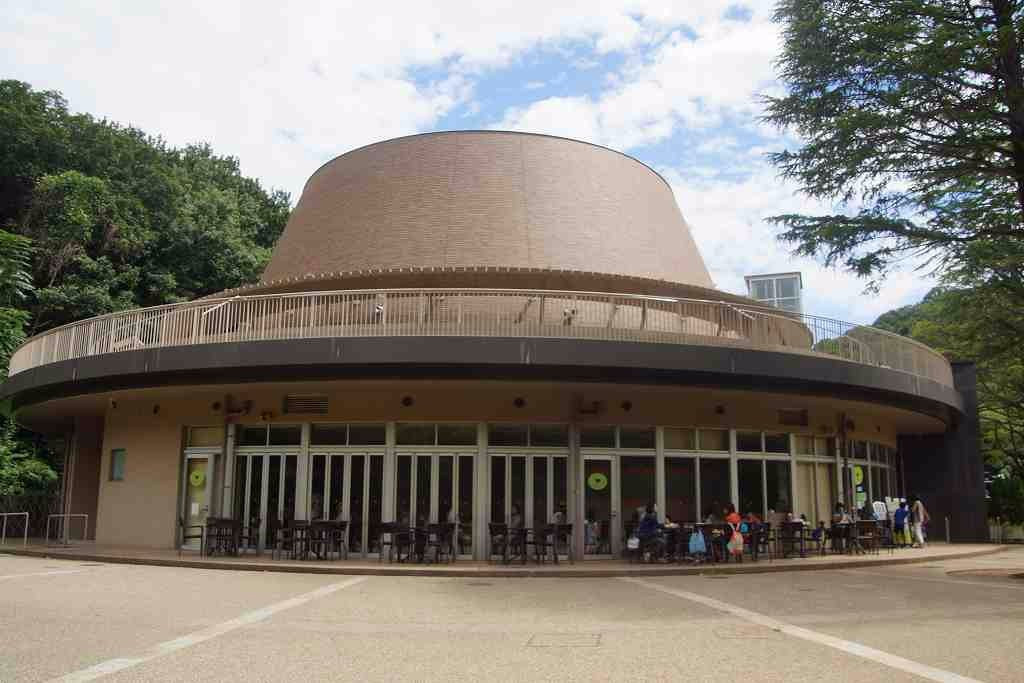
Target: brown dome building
(468,328)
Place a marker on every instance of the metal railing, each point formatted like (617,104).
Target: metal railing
(3,534)
(480,313)
(63,534)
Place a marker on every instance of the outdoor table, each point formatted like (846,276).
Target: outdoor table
(793,535)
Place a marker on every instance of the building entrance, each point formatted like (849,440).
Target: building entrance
(349,487)
(265,486)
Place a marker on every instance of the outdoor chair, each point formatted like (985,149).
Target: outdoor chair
(249,536)
(867,535)
(498,541)
(791,538)
(397,538)
(191,532)
(439,538)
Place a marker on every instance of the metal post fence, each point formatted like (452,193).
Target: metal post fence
(3,534)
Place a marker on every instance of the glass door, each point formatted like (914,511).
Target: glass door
(437,487)
(349,487)
(197,492)
(265,486)
(600,511)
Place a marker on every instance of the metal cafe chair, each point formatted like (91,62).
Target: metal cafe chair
(497,533)
(396,537)
(249,536)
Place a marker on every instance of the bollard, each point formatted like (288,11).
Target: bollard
(947,529)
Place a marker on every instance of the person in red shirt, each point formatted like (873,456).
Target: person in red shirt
(731,515)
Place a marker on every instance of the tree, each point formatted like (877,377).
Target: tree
(958,323)
(119,218)
(21,471)
(912,113)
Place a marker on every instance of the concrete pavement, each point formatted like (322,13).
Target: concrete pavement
(133,623)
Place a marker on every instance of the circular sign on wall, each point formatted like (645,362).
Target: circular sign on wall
(858,475)
(197,478)
(597,481)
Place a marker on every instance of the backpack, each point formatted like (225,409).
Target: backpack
(697,545)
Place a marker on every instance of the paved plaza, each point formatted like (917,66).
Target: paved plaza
(949,620)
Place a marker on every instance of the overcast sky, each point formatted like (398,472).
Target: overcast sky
(285,86)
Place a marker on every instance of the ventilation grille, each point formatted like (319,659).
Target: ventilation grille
(307,404)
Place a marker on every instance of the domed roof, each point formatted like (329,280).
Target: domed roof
(486,200)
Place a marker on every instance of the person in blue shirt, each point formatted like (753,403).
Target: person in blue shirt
(649,533)
(899,524)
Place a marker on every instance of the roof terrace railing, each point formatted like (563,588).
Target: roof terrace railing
(480,313)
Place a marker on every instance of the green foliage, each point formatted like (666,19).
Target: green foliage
(116,219)
(978,324)
(22,471)
(1007,499)
(914,112)
(120,219)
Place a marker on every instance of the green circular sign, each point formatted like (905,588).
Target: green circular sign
(858,475)
(597,481)
(197,478)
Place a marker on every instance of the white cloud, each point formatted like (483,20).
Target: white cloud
(727,218)
(288,84)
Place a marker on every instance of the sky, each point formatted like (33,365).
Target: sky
(285,86)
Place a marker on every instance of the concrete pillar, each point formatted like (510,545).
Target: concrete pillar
(947,471)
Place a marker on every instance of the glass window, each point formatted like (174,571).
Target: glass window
(637,485)
(680,439)
(355,512)
(549,435)
(597,437)
(713,439)
(714,485)
(498,489)
(334,504)
(876,484)
(366,434)
(376,501)
(414,434)
(762,289)
(751,487)
(860,450)
(506,435)
(252,435)
(540,492)
(285,435)
(561,492)
(805,489)
(791,305)
(680,490)
(777,486)
(328,434)
(786,288)
(466,488)
(205,436)
(117,458)
(456,434)
(804,444)
(423,490)
(403,484)
(316,497)
(775,442)
(636,437)
(517,486)
(749,442)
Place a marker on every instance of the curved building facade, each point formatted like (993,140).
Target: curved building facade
(470,328)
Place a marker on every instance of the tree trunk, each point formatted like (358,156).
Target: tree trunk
(1009,67)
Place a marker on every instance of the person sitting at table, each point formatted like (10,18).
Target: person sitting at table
(649,533)
(752,518)
(839,516)
(316,507)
